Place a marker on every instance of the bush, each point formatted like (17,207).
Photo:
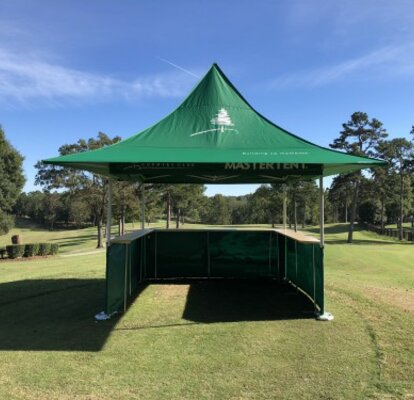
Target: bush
(6,222)
(44,249)
(15,250)
(54,249)
(31,250)
(16,239)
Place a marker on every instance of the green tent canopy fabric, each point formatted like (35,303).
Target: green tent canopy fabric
(214,136)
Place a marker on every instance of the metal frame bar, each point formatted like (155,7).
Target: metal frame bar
(142,206)
(208,256)
(130,269)
(155,256)
(321,212)
(125,276)
(284,207)
(109,214)
(314,278)
(141,269)
(270,253)
(296,263)
(278,256)
(286,259)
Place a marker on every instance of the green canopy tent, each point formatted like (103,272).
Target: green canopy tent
(215,136)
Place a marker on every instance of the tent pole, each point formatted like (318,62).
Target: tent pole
(323,315)
(321,213)
(109,214)
(142,206)
(284,207)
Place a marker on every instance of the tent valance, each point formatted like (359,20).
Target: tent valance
(214,136)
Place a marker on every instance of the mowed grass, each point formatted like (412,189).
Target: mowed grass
(195,341)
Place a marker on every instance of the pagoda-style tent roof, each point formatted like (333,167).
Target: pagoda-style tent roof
(214,136)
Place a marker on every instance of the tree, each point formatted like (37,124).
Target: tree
(11,181)
(51,207)
(399,153)
(383,185)
(184,200)
(92,188)
(34,209)
(125,203)
(259,205)
(360,137)
(219,211)
(239,209)
(340,195)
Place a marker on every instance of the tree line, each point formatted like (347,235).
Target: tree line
(71,197)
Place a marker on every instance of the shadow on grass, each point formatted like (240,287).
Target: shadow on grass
(368,242)
(76,238)
(57,314)
(71,243)
(245,300)
(74,241)
(53,315)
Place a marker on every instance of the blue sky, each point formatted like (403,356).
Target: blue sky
(69,69)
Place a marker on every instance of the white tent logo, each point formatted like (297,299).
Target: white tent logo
(222,123)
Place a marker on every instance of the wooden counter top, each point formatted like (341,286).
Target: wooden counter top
(299,236)
(129,237)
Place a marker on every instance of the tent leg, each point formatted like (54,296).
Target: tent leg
(142,206)
(103,316)
(322,315)
(109,214)
(322,213)
(284,207)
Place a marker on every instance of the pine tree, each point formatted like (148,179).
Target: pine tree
(11,181)
(360,137)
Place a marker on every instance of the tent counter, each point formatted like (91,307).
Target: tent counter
(156,254)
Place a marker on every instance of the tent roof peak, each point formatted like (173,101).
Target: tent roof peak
(213,125)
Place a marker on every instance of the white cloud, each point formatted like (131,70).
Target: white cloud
(387,62)
(24,78)
(349,17)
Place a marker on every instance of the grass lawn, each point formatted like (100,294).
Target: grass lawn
(169,346)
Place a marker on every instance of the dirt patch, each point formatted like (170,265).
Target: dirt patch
(401,298)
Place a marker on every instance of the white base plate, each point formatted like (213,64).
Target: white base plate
(326,316)
(103,316)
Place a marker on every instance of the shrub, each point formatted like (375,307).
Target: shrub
(44,249)
(54,249)
(16,239)
(31,250)
(3,252)
(15,250)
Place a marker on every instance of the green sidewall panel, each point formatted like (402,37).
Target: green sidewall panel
(149,255)
(291,260)
(239,254)
(115,278)
(215,254)
(304,268)
(135,265)
(304,276)
(319,278)
(181,254)
(274,255)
